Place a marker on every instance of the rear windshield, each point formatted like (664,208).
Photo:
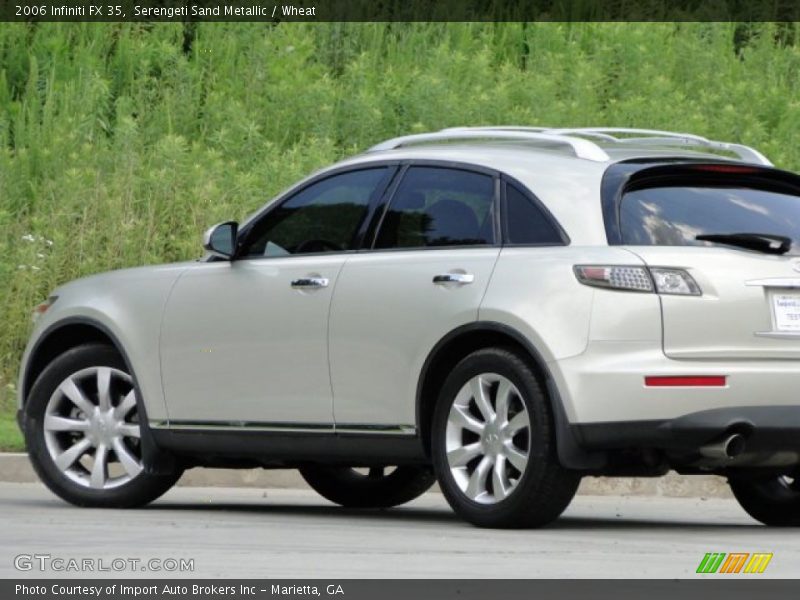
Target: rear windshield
(675,215)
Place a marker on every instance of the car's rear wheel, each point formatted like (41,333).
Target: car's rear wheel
(83,431)
(374,487)
(494,447)
(772,500)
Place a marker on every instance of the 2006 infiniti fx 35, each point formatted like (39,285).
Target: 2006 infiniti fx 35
(503,309)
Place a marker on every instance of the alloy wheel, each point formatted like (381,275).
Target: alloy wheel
(488,438)
(91,428)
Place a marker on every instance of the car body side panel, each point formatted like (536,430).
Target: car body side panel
(129,305)
(241,344)
(535,292)
(386,316)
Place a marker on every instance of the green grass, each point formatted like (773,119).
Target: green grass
(120,143)
(10,436)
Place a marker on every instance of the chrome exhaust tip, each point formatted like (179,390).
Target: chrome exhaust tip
(727,448)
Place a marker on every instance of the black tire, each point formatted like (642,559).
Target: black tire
(540,493)
(139,490)
(349,488)
(774,501)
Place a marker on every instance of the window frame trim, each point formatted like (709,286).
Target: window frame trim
(392,166)
(391,191)
(382,198)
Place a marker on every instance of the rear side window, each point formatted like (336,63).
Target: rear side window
(676,215)
(439,207)
(526,223)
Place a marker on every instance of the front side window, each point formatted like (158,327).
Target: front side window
(324,217)
(676,215)
(439,207)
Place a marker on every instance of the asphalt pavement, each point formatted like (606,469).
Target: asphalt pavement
(245,532)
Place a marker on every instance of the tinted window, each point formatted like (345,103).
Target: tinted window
(526,223)
(439,207)
(674,216)
(324,217)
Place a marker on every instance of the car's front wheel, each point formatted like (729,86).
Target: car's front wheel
(494,447)
(773,500)
(83,431)
(374,487)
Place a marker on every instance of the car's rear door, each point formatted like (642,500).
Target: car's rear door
(750,302)
(423,276)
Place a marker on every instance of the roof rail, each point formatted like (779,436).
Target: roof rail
(569,136)
(654,137)
(582,148)
(552,130)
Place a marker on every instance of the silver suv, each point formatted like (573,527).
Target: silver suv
(503,309)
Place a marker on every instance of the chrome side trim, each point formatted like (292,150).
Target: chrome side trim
(778,334)
(399,430)
(242,426)
(777,282)
(349,429)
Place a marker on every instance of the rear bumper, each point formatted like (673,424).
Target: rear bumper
(765,429)
(606,384)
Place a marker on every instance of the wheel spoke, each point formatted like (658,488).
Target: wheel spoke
(492,446)
(481,398)
(77,397)
(516,457)
(67,458)
(500,483)
(128,461)
(84,407)
(55,423)
(104,388)
(517,424)
(503,400)
(100,467)
(462,455)
(129,430)
(460,416)
(127,404)
(477,481)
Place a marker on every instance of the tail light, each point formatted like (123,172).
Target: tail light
(674,281)
(660,280)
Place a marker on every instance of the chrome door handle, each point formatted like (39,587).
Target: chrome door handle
(460,278)
(310,282)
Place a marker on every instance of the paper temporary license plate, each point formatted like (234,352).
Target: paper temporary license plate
(786,308)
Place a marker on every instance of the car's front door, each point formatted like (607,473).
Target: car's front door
(425,275)
(245,343)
